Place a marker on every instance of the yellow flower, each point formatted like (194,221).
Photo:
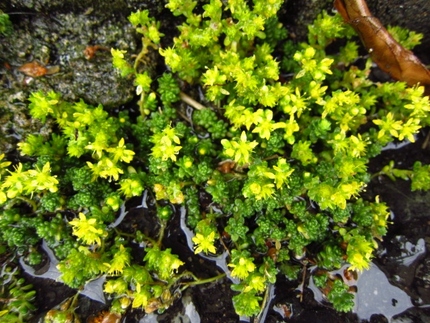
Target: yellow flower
(359,252)
(42,180)
(358,262)
(256,282)
(119,261)
(121,153)
(243,269)
(203,243)
(86,229)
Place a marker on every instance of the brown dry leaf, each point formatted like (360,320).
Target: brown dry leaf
(35,69)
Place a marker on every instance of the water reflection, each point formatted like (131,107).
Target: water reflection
(375,295)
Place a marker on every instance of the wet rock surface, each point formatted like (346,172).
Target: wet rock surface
(60,41)
(411,14)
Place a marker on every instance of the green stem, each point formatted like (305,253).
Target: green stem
(207,280)
(102,247)
(263,304)
(160,237)
(133,236)
(146,43)
(272,157)
(198,281)
(74,301)
(142,53)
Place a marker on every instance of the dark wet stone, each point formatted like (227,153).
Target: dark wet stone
(411,14)
(101,8)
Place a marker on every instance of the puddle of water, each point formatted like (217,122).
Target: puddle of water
(190,310)
(123,212)
(375,295)
(50,271)
(410,252)
(93,289)
(149,318)
(397,145)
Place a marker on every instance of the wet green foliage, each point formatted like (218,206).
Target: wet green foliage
(17,297)
(278,147)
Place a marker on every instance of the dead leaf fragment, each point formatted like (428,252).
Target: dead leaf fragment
(35,69)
